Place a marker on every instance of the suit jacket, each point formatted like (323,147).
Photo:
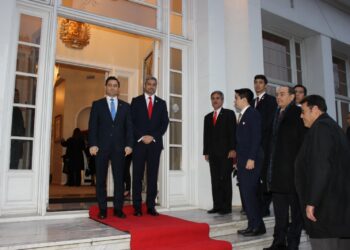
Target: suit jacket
(266,107)
(156,126)
(248,136)
(221,138)
(287,137)
(108,134)
(322,176)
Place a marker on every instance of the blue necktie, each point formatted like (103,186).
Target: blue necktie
(113,111)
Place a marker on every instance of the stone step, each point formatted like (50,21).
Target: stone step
(240,242)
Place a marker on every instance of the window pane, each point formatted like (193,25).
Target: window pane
(299,77)
(175,83)
(176,6)
(175,158)
(297,49)
(340,81)
(25,90)
(176,24)
(175,59)
(175,107)
(176,133)
(23,122)
(30,29)
(27,59)
(124,10)
(21,154)
(344,114)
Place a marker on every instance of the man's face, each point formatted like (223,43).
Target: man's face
(259,86)
(299,94)
(112,88)
(348,119)
(216,101)
(150,87)
(283,97)
(239,102)
(308,115)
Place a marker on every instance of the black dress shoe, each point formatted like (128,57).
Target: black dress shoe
(152,211)
(213,211)
(137,212)
(225,211)
(102,214)
(243,231)
(256,231)
(119,213)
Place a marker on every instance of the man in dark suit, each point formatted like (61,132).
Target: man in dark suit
(322,176)
(300,93)
(249,160)
(219,150)
(150,120)
(110,138)
(266,105)
(287,137)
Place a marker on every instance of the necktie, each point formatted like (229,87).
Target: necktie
(239,117)
(215,116)
(257,101)
(113,111)
(150,107)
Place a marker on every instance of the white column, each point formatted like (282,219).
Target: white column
(244,49)
(319,69)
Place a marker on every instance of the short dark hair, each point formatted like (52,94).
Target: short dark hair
(245,93)
(301,86)
(150,78)
(112,78)
(291,90)
(217,92)
(262,77)
(315,100)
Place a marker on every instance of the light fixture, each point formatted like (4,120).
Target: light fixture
(74,34)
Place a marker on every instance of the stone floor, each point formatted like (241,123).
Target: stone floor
(83,233)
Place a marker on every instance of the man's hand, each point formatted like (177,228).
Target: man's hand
(128,151)
(231,154)
(147,139)
(206,157)
(250,164)
(93,150)
(310,213)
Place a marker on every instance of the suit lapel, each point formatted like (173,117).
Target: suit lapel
(106,108)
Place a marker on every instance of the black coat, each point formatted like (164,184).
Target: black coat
(221,138)
(287,137)
(322,177)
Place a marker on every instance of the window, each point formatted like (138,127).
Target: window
(176,17)
(341,91)
(175,109)
(282,59)
(141,12)
(23,112)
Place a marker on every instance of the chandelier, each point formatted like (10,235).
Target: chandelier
(74,34)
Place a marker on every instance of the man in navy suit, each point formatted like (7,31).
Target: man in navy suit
(249,160)
(110,138)
(219,150)
(150,120)
(266,105)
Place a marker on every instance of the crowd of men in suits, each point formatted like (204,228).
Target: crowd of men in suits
(283,151)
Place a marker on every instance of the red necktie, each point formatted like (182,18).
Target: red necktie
(150,107)
(215,117)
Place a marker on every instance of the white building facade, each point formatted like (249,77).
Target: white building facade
(197,46)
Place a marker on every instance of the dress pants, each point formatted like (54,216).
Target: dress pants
(283,229)
(248,184)
(117,161)
(127,177)
(221,182)
(145,155)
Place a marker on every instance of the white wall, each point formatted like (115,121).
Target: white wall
(313,14)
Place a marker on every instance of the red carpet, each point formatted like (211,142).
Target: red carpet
(162,232)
